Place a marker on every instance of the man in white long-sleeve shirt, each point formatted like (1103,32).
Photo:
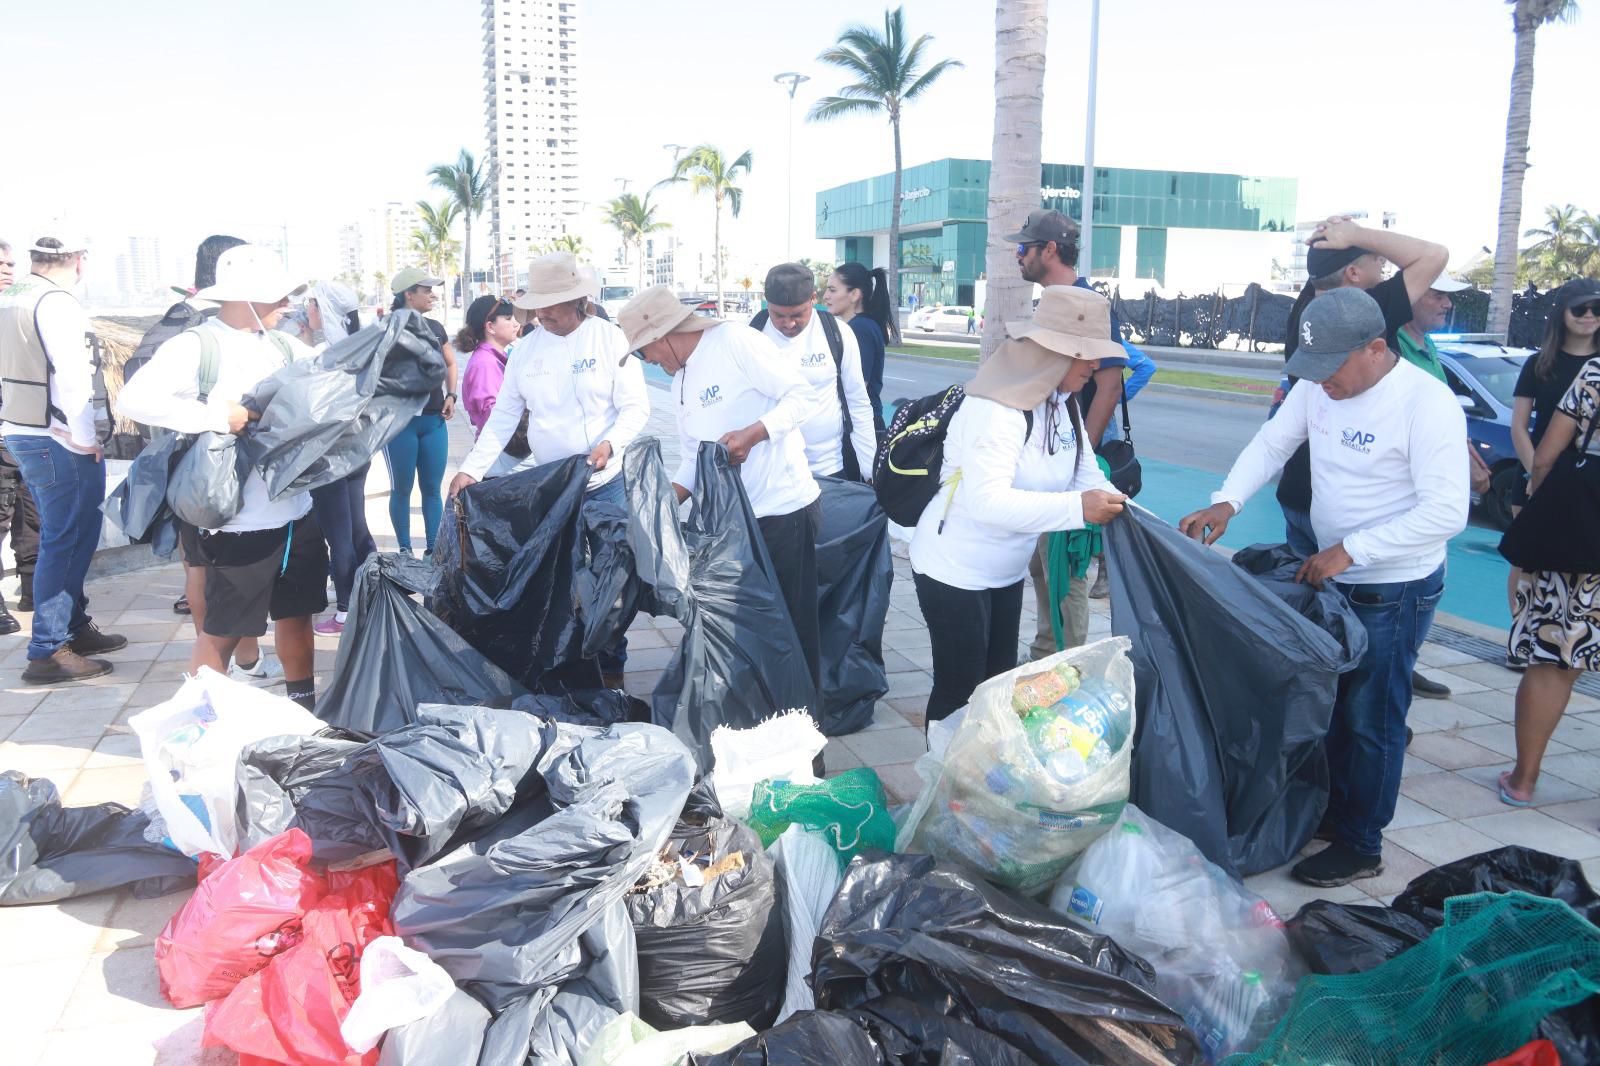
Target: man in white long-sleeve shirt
(730,386)
(1389,490)
(48,419)
(270,559)
(829,359)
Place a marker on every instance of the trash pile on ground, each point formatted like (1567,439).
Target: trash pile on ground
(472,854)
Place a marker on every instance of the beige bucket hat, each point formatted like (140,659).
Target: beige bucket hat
(556,278)
(656,312)
(1073,321)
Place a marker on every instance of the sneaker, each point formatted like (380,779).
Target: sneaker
(1099,590)
(328,627)
(181,605)
(1428,690)
(266,671)
(8,622)
(90,641)
(64,665)
(1337,864)
(25,603)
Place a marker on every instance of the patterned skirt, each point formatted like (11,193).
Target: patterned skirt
(1557,620)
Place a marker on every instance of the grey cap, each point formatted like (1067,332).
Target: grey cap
(789,285)
(1332,326)
(1045,224)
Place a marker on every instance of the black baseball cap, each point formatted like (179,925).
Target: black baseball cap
(1047,224)
(1577,291)
(1320,261)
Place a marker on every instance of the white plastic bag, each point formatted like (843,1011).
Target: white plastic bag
(191,748)
(627,1041)
(990,802)
(398,986)
(1221,956)
(808,872)
(780,748)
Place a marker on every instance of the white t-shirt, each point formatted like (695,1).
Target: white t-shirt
(734,378)
(824,431)
(64,329)
(575,394)
(166,393)
(1389,471)
(1008,492)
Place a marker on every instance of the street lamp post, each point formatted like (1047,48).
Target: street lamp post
(1086,210)
(676,150)
(792,80)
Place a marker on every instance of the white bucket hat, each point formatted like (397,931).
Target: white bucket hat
(251,274)
(556,278)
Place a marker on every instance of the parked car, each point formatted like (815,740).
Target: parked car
(941,319)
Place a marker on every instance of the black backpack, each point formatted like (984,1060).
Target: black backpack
(830,330)
(906,470)
(180,316)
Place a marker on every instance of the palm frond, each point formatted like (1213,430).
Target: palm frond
(832,107)
(929,76)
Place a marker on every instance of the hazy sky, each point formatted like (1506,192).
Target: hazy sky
(177,119)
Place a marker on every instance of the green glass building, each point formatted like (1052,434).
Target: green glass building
(1177,228)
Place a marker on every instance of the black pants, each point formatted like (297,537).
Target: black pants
(974,637)
(341,510)
(20,518)
(791,541)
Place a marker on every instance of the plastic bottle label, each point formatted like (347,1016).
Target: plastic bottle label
(1085,904)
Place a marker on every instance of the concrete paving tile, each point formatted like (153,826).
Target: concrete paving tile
(837,757)
(35,993)
(901,783)
(169,671)
(137,616)
(149,694)
(1408,812)
(1535,829)
(113,784)
(1489,675)
(1451,795)
(641,684)
(154,632)
(47,724)
(645,638)
(57,760)
(1580,767)
(156,1038)
(115,988)
(1416,764)
(920,656)
(884,717)
(1443,842)
(888,746)
(117,749)
(912,683)
(86,697)
(1550,790)
(1456,683)
(1400,867)
(49,931)
(1500,706)
(1581,702)
(1427,716)
(1501,737)
(178,651)
(1584,813)
(1288,895)
(21,702)
(640,659)
(896,663)
(136,922)
(1578,732)
(1451,752)
(1440,656)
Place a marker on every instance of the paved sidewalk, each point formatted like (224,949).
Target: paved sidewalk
(79,978)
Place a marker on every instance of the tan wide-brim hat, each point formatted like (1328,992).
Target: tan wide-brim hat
(1073,321)
(557,278)
(656,312)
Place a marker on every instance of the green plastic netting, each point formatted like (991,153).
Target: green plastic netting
(850,810)
(1472,992)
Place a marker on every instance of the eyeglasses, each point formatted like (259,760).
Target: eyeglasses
(1583,310)
(1022,249)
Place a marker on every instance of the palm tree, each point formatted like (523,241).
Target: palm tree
(566,242)
(433,241)
(1526,18)
(633,218)
(1560,252)
(706,169)
(889,75)
(467,182)
(1017,156)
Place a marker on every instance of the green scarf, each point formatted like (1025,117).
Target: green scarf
(1067,557)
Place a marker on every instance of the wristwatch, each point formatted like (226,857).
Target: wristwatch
(450,396)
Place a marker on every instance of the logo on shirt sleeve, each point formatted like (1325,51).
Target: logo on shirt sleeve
(1357,441)
(711,396)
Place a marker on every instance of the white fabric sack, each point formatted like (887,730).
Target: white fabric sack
(808,871)
(191,748)
(627,1041)
(778,749)
(398,986)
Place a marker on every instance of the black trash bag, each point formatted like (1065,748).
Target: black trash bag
(601,706)
(713,952)
(138,505)
(609,589)
(910,1034)
(505,915)
(324,418)
(450,1036)
(1508,869)
(295,782)
(508,574)
(806,1038)
(49,852)
(1235,693)
(936,934)
(854,572)
(207,485)
(740,660)
(1338,939)
(395,655)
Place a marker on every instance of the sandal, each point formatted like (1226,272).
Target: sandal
(1511,799)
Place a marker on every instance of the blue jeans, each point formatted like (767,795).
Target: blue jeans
(1298,532)
(614,658)
(1367,738)
(417,456)
(68,490)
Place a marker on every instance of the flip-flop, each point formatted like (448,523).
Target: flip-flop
(1508,799)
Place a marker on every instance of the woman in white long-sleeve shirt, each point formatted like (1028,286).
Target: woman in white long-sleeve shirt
(1016,464)
(566,376)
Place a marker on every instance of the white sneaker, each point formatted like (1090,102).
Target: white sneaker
(267,671)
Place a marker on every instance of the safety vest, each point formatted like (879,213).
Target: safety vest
(25,366)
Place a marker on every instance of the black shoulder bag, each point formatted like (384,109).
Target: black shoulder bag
(1119,456)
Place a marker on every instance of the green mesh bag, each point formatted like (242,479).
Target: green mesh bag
(1470,993)
(850,810)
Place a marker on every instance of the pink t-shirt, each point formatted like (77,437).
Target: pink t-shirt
(480,386)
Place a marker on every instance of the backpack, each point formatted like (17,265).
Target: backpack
(906,470)
(830,330)
(205,378)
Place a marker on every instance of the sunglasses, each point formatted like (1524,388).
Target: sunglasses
(1582,310)
(1022,249)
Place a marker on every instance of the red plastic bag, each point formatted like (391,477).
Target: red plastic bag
(246,911)
(1535,1053)
(290,1011)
